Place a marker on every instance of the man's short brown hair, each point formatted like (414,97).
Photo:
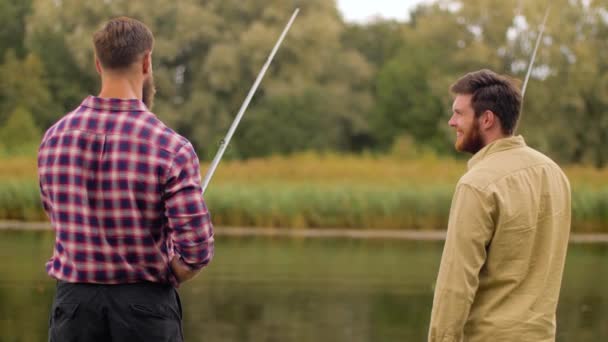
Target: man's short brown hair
(121,42)
(493,92)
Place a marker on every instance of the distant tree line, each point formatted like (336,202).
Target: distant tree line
(334,85)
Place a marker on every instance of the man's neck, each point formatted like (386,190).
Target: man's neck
(120,87)
(491,137)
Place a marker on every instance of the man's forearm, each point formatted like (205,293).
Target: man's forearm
(193,240)
(449,315)
(182,271)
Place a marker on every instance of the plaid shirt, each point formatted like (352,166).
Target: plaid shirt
(123,194)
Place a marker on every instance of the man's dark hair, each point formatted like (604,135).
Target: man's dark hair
(121,42)
(493,92)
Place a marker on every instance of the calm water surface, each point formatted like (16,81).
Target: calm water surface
(280,289)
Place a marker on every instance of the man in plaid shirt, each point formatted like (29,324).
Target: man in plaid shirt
(123,194)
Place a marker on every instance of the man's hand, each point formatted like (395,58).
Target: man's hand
(182,271)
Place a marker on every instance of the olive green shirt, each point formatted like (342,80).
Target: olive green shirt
(504,255)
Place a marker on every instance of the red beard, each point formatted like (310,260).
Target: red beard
(471,140)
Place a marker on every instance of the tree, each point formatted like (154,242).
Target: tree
(345,87)
(412,88)
(566,108)
(19,133)
(203,72)
(24,85)
(378,41)
(13,15)
(407,104)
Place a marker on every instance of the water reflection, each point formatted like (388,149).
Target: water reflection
(302,290)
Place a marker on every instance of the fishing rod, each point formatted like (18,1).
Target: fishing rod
(538,39)
(531,64)
(224,142)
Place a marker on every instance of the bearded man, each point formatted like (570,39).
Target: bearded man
(504,255)
(123,194)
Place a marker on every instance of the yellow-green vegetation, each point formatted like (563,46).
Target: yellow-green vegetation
(312,190)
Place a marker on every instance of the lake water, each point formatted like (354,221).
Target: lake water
(294,289)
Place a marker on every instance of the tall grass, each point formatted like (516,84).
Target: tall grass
(20,200)
(310,190)
(317,206)
(331,168)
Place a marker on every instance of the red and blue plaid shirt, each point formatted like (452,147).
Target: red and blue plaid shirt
(123,195)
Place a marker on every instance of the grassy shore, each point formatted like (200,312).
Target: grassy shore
(320,191)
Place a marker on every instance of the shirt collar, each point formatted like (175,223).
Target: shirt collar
(114,105)
(498,145)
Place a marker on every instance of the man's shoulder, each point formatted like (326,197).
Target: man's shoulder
(507,163)
(58,126)
(162,136)
(478,178)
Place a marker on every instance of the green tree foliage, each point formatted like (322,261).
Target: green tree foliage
(567,107)
(207,56)
(333,85)
(13,15)
(19,134)
(24,85)
(406,104)
(378,41)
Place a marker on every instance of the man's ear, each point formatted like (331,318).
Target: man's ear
(488,119)
(98,65)
(147,63)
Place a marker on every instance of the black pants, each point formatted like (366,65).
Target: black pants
(114,313)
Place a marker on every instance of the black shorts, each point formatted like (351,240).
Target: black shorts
(111,313)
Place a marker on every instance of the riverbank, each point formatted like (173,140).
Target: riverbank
(368,234)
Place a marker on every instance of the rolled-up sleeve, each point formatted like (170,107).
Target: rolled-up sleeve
(186,212)
(470,229)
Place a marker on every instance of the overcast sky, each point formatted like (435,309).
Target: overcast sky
(363,10)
